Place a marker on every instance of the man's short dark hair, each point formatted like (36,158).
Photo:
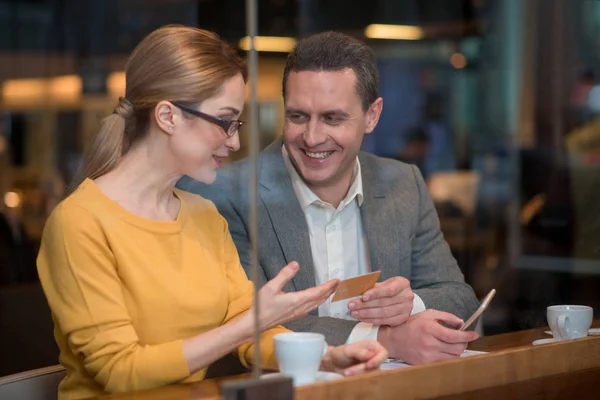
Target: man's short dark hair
(335,51)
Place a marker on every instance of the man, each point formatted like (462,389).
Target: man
(341,213)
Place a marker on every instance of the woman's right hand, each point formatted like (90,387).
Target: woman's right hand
(278,307)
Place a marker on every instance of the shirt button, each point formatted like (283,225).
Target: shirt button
(337,315)
(333,228)
(337,270)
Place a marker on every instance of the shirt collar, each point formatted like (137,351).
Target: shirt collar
(307,197)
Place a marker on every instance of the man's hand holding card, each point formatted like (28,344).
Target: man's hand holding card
(384,303)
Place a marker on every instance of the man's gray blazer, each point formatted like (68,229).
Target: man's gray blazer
(399,220)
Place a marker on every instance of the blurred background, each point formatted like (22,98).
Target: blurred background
(496,101)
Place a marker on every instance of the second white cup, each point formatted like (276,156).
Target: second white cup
(569,321)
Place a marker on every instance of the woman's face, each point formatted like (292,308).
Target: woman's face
(199,146)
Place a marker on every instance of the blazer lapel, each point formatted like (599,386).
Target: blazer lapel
(286,215)
(380,224)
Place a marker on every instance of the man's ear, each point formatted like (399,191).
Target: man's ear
(373,114)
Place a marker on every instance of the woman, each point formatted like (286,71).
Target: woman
(143,280)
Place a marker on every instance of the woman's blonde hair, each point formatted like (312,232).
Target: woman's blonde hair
(173,63)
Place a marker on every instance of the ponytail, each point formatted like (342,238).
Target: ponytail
(108,147)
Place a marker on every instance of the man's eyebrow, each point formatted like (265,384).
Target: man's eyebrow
(294,110)
(336,112)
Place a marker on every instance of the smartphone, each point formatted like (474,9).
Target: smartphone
(479,311)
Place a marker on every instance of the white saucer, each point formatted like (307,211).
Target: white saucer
(543,341)
(322,376)
(591,332)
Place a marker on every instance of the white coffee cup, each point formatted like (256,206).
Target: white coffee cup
(569,321)
(299,355)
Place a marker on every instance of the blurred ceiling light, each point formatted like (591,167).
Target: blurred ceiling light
(458,60)
(60,89)
(12,200)
(68,87)
(269,43)
(115,83)
(22,89)
(397,32)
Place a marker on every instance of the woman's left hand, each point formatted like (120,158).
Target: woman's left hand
(355,358)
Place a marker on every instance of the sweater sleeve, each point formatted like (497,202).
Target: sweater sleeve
(241,293)
(79,277)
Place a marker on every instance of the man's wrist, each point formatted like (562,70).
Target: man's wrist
(383,337)
(389,337)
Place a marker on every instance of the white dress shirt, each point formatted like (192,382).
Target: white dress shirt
(338,244)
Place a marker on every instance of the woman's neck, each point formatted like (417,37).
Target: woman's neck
(144,184)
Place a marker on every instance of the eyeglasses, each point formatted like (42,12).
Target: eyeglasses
(230,127)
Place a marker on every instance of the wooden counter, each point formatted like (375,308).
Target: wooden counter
(514,368)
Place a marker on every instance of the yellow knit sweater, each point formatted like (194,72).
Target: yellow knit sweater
(125,291)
